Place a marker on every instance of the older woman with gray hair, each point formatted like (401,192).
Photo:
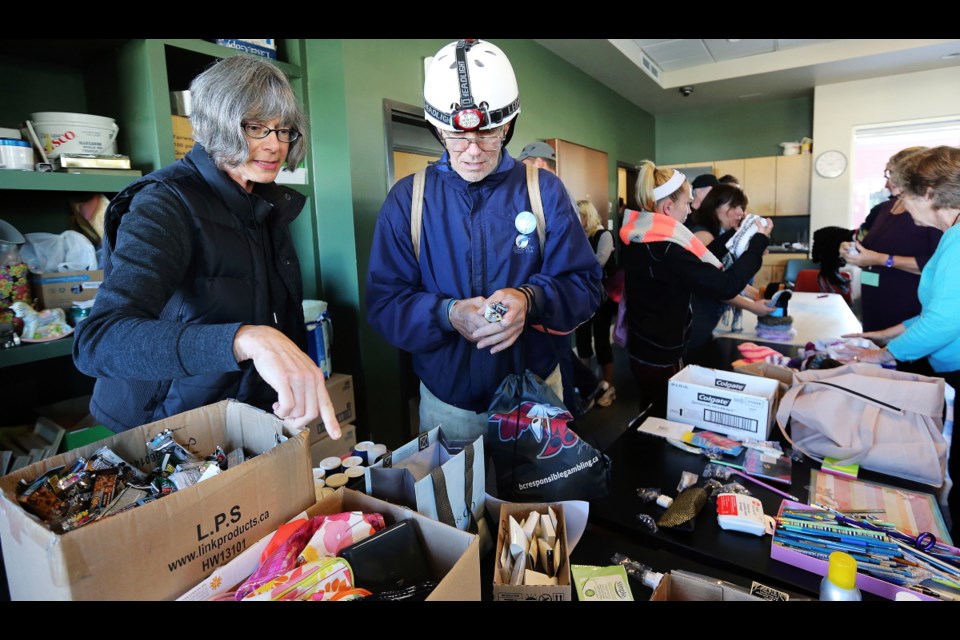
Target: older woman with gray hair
(202,293)
(929,183)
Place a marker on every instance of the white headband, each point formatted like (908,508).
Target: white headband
(668,187)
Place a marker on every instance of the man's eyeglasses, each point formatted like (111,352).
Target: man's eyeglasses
(886,173)
(258,131)
(486,143)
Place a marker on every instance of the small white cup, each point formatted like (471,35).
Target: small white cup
(331,465)
(336,481)
(362,449)
(355,472)
(376,452)
(352,461)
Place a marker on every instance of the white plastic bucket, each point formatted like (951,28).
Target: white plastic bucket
(790,148)
(75,133)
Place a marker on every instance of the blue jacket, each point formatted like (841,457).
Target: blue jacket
(189,257)
(470,246)
(936,331)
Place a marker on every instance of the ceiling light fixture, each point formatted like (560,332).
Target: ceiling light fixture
(733,39)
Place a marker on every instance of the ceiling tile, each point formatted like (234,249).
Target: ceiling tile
(722,49)
(792,43)
(668,51)
(648,42)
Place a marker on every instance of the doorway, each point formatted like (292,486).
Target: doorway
(411,145)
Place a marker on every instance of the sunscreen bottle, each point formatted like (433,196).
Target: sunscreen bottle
(840,583)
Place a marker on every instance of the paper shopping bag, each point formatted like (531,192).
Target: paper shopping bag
(441,479)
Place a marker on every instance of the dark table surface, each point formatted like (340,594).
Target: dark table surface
(644,461)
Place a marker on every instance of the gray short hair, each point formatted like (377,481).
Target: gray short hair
(241,88)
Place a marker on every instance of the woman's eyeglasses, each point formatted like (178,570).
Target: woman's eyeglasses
(258,131)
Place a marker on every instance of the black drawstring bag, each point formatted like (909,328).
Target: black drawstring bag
(536,456)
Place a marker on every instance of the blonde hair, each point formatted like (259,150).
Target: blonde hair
(649,179)
(589,217)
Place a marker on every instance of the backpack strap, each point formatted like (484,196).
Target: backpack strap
(533,189)
(416,206)
(416,210)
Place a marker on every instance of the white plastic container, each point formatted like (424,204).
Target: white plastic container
(790,148)
(16,155)
(61,132)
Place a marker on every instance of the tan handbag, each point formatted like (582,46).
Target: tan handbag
(886,421)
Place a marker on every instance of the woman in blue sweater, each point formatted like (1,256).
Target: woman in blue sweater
(930,183)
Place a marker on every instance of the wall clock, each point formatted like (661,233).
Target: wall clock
(831,164)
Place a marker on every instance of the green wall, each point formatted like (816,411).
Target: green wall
(347,83)
(729,132)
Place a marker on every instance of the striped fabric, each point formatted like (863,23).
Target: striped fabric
(645,226)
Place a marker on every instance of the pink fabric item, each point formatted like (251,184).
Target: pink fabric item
(756,353)
(339,531)
(285,558)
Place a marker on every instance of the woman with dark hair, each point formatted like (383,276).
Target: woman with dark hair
(930,189)
(664,266)
(202,293)
(714,223)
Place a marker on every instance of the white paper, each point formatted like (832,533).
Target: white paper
(665,428)
(530,525)
(575,512)
(518,570)
(549,534)
(518,539)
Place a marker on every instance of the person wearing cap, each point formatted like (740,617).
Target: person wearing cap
(540,155)
(665,265)
(478,245)
(729,179)
(701,187)
(581,386)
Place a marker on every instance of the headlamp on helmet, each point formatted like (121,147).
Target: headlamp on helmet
(470,86)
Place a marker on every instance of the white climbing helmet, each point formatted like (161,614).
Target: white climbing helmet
(470,86)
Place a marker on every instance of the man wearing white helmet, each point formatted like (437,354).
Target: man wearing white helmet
(479,245)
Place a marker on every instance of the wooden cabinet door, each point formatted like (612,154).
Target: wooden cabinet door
(731,167)
(793,185)
(585,173)
(760,185)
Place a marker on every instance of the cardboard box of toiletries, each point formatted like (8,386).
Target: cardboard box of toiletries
(453,555)
(158,550)
(740,406)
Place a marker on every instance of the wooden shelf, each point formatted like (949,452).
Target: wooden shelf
(37,351)
(54,181)
(221,51)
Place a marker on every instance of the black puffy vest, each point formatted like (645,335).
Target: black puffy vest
(227,281)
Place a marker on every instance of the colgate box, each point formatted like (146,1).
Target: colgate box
(160,549)
(740,406)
